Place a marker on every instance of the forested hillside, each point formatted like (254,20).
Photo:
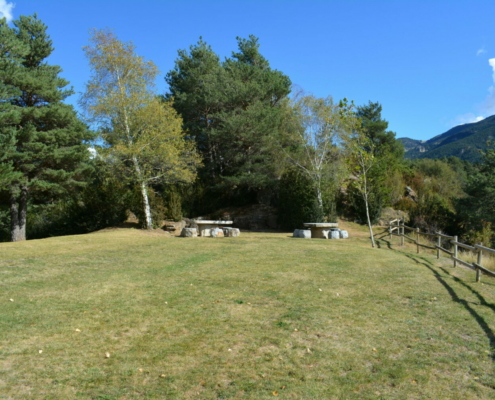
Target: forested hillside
(463,141)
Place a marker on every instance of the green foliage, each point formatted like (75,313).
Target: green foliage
(234,111)
(384,171)
(320,126)
(42,140)
(297,201)
(156,203)
(146,143)
(433,213)
(173,203)
(358,205)
(375,128)
(437,184)
(477,211)
(102,203)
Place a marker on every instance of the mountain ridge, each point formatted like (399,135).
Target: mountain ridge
(463,141)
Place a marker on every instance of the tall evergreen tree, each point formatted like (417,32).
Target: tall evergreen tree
(42,138)
(234,110)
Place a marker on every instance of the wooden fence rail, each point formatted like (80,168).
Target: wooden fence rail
(396,227)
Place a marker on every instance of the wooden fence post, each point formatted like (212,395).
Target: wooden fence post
(390,231)
(417,240)
(439,243)
(455,251)
(398,228)
(478,272)
(402,233)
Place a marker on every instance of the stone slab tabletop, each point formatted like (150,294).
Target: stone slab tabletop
(321,225)
(210,222)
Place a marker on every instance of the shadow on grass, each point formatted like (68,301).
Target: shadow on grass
(477,317)
(381,239)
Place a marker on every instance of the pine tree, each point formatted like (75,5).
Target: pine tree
(41,137)
(234,110)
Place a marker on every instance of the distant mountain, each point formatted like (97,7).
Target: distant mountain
(463,141)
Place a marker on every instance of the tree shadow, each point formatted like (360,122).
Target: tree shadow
(466,304)
(482,301)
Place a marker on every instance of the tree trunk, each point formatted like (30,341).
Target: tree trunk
(144,194)
(18,212)
(369,221)
(146,205)
(319,198)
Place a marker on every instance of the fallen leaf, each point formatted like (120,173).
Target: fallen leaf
(275,393)
(107,355)
(78,330)
(375,349)
(230,349)
(320,290)
(140,370)
(11,299)
(295,330)
(40,351)
(163,376)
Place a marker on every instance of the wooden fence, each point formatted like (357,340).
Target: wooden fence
(396,227)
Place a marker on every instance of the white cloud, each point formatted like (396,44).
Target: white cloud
(468,119)
(6,10)
(491,61)
(481,51)
(486,108)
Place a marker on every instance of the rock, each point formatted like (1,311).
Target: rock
(334,235)
(217,232)
(305,233)
(189,232)
(296,233)
(344,234)
(173,227)
(411,194)
(231,232)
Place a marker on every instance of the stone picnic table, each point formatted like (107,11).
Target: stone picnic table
(321,230)
(205,226)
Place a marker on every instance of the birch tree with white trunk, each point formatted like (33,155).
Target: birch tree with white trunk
(361,158)
(322,125)
(144,139)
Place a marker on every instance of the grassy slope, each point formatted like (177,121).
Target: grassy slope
(254,317)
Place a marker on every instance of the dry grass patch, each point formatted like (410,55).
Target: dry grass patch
(254,317)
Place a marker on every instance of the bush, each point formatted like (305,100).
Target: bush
(173,202)
(358,205)
(100,204)
(297,201)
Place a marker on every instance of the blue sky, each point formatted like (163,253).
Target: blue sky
(431,64)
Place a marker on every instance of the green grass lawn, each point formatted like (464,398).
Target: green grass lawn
(256,317)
